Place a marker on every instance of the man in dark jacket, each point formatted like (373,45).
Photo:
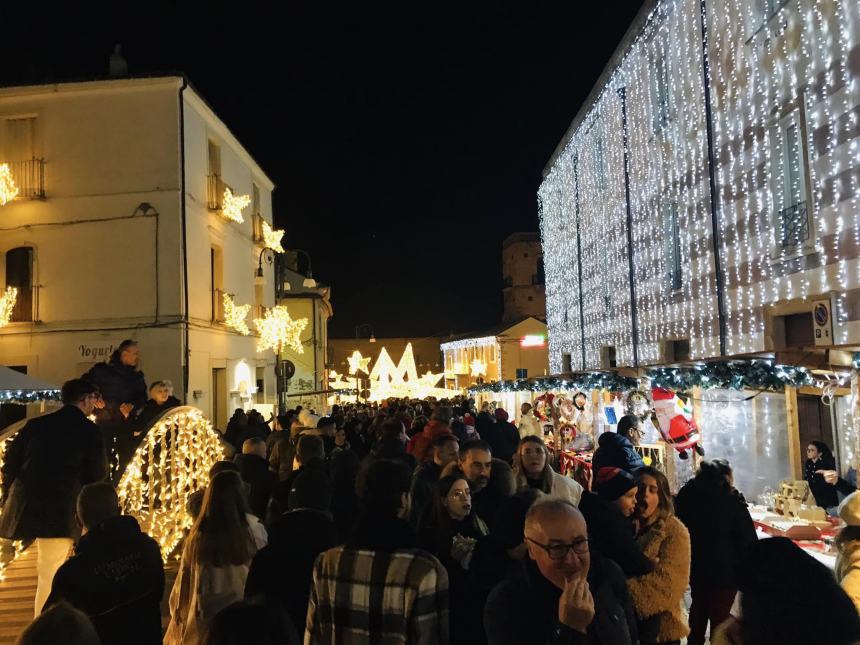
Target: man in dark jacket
(566,595)
(254,469)
(116,576)
(502,436)
(282,570)
(45,466)
(617,448)
(123,389)
(445,451)
(310,454)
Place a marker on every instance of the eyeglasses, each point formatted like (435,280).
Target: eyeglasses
(460,494)
(560,551)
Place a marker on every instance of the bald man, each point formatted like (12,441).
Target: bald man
(566,595)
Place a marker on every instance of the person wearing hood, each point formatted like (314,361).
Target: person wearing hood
(848,545)
(116,575)
(617,449)
(503,437)
(281,571)
(419,445)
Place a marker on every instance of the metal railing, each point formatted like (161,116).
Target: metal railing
(258,227)
(214,192)
(218,305)
(26,305)
(793,226)
(29,177)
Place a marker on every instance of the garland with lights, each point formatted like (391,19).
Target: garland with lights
(28,396)
(729,375)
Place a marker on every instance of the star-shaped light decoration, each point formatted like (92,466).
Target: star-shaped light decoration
(478,367)
(278,330)
(7,305)
(8,189)
(233,205)
(234,315)
(357,363)
(272,238)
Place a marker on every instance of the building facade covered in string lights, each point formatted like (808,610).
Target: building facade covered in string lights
(138,215)
(703,204)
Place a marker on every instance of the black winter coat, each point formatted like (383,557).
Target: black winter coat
(117,384)
(255,472)
(282,570)
(611,534)
(524,609)
(45,466)
(151,411)
(116,577)
(615,450)
(824,493)
(503,438)
(721,532)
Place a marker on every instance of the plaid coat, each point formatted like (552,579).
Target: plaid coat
(376,597)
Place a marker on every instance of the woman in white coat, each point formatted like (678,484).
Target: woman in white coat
(215,561)
(532,470)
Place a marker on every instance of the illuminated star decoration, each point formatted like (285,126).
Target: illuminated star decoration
(232,205)
(7,305)
(8,189)
(234,315)
(479,367)
(272,238)
(278,330)
(357,363)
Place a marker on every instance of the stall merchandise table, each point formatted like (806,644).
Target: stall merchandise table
(770,524)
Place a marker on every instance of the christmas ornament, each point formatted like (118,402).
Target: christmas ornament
(675,422)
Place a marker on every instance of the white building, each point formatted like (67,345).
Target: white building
(118,232)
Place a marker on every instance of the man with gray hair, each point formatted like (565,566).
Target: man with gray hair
(566,593)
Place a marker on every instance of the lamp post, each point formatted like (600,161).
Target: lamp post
(359,335)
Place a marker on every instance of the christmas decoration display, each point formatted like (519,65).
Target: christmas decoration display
(233,205)
(7,305)
(715,158)
(543,406)
(272,238)
(28,396)
(637,403)
(278,330)
(478,367)
(234,315)
(358,363)
(8,189)
(676,423)
(171,463)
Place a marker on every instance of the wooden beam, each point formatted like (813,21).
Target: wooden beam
(795,459)
(817,391)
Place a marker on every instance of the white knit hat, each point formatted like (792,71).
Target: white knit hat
(849,509)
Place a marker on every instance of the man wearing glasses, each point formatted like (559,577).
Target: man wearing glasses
(618,449)
(566,594)
(46,464)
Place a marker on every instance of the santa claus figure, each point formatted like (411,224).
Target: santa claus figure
(675,422)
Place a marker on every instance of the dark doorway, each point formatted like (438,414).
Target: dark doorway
(19,274)
(813,421)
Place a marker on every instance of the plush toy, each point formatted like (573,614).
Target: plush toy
(675,422)
(543,406)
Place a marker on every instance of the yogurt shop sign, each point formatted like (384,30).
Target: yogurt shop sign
(96,351)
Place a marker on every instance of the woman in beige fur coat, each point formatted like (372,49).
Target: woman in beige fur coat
(657,596)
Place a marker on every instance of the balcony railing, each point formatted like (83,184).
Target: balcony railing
(214,192)
(258,228)
(218,305)
(793,226)
(29,177)
(26,307)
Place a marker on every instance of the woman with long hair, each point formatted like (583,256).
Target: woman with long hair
(532,469)
(215,561)
(721,532)
(661,536)
(819,457)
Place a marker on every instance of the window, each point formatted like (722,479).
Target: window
(19,139)
(659,88)
(19,274)
(522,373)
(607,357)
(672,246)
(255,199)
(216,280)
(508,281)
(566,365)
(531,298)
(214,158)
(788,174)
(676,351)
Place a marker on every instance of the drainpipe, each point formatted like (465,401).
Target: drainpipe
(579,257)
(186,316)
(622,94)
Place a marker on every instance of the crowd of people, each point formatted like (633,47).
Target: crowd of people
(418,522)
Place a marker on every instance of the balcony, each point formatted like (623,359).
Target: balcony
(793,226)
(218,305)
(215,192)
(26,305)
(258,229)
(29,178)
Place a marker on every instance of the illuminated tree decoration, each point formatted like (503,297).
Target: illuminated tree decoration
(7,305)
(233,205)
(402,381)
(8,189)
(272,238)
(234,315)
(478,367)
(171,463)
(358,363)
(278,330)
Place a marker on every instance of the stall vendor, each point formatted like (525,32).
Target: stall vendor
(819,458)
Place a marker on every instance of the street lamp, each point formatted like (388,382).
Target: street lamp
(365,325)
(258,275)
(308,282)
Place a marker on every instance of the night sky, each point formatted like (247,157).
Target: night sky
(405,143)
